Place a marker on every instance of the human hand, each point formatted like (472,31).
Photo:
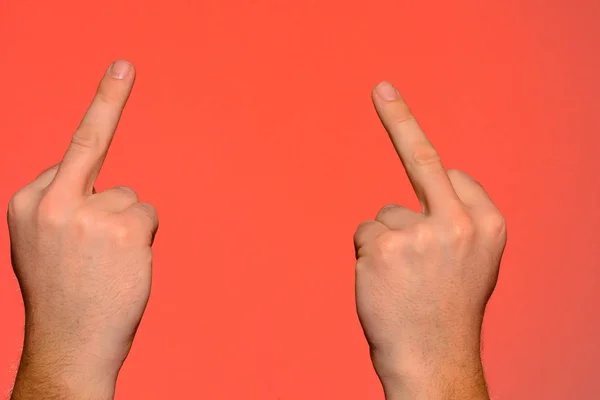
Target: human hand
(83,260)
(423,279)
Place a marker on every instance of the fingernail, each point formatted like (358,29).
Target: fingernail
(386,91)
(120,69)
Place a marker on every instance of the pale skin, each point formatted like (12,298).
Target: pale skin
(423,279)
(83,260)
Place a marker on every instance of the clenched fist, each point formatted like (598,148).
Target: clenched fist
(83,260)
(423,279)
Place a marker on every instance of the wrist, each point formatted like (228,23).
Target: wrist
(36,382)
(449,376)
(81,350)
(445,384)
(58,373)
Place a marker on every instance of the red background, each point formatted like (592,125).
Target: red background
(251,130)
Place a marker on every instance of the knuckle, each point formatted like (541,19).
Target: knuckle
(51,212)
(86,138)
(386,211)
(424,155)
(148,211)
(463,228)
(458,175)
(361,236)
(92,224)
(422,236)
(48,173)
(363,227)
(361,265)
(455,173)
(18,203)
(128,192)
(86,221)
(122,233)
(493,224)
(390,243)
